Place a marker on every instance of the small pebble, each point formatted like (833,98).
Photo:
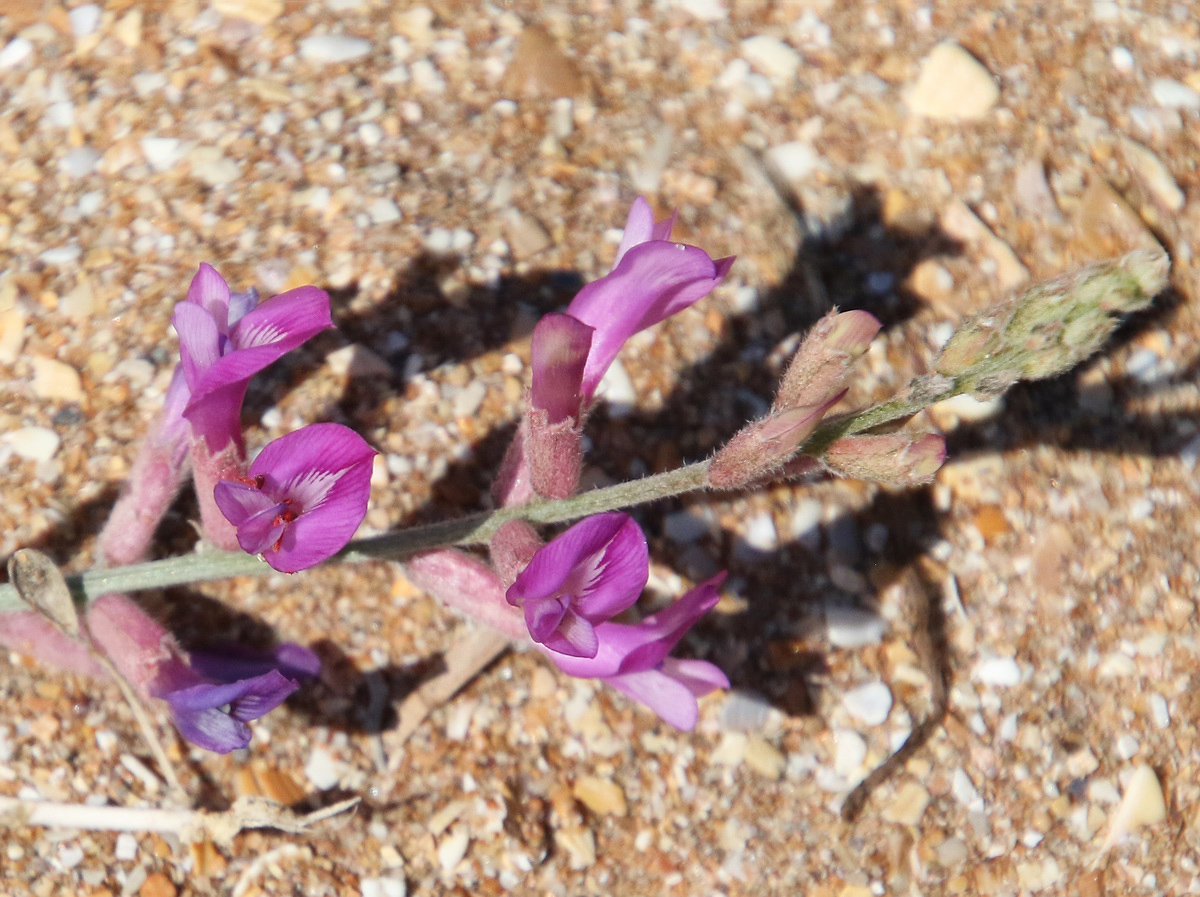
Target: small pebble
(1159,711)
(1172,94)
(952,85)
(1000,672)
(795,161)
(759,532)
(15,52)
(602,796)
(322,769)
(334,48)
(1142,804)
(617,390)
(161,152)
(908,805)
(771,56)
(849,753)
(870,703)
(126,848)
(452,848)
(84,20)
(80,162)
(56,381)
(33,443)
(540,68)
(764,758)
(854,627)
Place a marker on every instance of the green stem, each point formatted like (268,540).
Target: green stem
(474,530)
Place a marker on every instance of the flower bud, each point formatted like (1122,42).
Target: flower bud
(894,459)
(821,364)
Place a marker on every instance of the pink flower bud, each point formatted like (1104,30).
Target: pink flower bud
(822,363)
(895,459)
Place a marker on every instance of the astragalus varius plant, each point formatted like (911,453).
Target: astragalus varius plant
(571,595)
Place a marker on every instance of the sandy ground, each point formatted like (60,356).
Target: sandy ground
(450,172)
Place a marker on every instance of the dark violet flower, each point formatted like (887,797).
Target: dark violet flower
(210,702)
(303,497)
(634,659)
(586,576)
(651,280)
(225,339)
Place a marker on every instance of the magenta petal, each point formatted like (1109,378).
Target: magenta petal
(210,292)
(666,696)
(662,631)
(258,532)
(198,710)
(542,616)
(699,676)
(653,281)
(574,637)
(199,341)
(613,643)
(559,351)
(602,560)
(239,501)
(639,227)
(293,458)
(286,320)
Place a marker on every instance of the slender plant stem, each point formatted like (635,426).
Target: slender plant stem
(476,529)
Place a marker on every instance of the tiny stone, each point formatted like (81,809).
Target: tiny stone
(540,68)
(870,703)
(795,161)
(1127,747)
(33,443)
(383,211)
(56,380)
(745,711)
(80,162)
(1000,672)
(525,235)
(704,10)
(70,857)
(453,848)
(952,85)
(1143,804)
(601,796)
(771,56)
(258,12)
(469,399)
(760,533)
(126,848)
(952,853)
(764,758)
(357,361)
(1159,711)
(849,753)
(322,769)
(334,48)
(157,885)
(616,388)
(12,334)
(908,806)
(1157,178)
(161,152)
(128,29)
(84,19)
(854,627)
(1172,94)
(15,52)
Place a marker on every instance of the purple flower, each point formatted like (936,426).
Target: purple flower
(225,339)
(211,702)
(586,576)
(634,659)
(651,280)
(303,497)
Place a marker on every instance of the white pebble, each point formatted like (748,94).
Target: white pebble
(1173,94)
(383,211)
(334,48)
(84,19)
(772,57)
(161,152)
(795,161)
(33,443)
(1159,711)
(1121,59)
(1001,672)
(15,52)
(80,162)
(760,533)
(704,10)
(61,255)
(952,85)
(322,769)
(469,398)
(849,753)
(854,627)
(870,703)
(70,857)
(1127,747)
(127,847)
(453,848)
